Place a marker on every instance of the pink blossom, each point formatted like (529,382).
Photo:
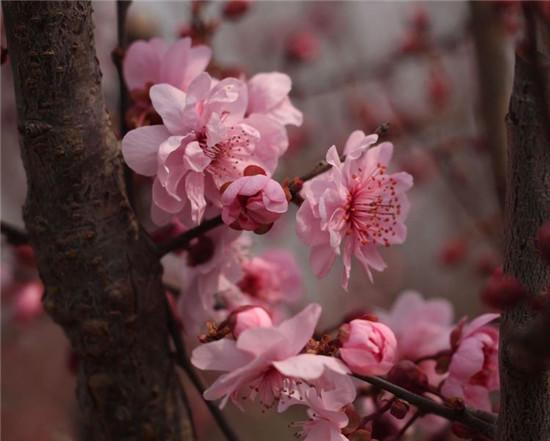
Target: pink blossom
(473,371)
(272,278)
(268,95)
(253,202)
(422,327)
(204,142)
(354,208)
(251,362)
(368,348)
(249,317)
(155,61)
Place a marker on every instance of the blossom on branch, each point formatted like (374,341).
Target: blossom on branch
(204,142)
(473,370)
(354,208)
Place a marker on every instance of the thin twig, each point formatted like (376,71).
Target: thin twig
(183,362)
(462,415)
(14,235)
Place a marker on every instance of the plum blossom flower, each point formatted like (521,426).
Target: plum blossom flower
(268,95)
(354,208)
(251,362)
(253,203)
(271,278)
(368,348)
(155,61)
(473,370)
(204,142)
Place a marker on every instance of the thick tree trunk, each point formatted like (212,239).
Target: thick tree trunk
(102,275)
(525,397)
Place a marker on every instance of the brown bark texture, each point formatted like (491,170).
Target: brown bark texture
(101,272)
(525,387)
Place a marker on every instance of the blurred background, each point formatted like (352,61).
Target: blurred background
(354,65)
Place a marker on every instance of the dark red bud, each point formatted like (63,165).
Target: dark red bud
(399,409)
(502,291)
(235,9)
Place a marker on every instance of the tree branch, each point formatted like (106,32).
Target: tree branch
(464,415)
(525,392)
(100,270)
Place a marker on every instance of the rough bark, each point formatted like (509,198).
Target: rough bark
(525,392)
(102,276)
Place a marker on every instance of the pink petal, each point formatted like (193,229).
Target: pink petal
(194,187)
(199,57)
(174,63)
(221,355)
(285,113)
(140,147)
(299,329)
(321,259)
(477,323)
(267,90)
(310,366)
(141,64)
(169,102)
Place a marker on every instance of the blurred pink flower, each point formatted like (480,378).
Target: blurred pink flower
(268,95)
(273,277)
(368,348)
(422,327)
(204,142)
(249,317)
(155,61)
(27,303)
(473,370)
(356,206)
(303,46)
(253,203)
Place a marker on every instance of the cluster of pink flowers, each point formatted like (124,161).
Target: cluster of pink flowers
(414,345)
(210,132)
(210,148)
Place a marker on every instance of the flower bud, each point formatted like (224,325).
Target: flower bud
(502,291)
(368,348)
(399,409)
(248,317)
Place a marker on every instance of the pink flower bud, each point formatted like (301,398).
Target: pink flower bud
(302,46)
(28,303)
(253,203)
(234,9)
(368,348)
(249,317)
